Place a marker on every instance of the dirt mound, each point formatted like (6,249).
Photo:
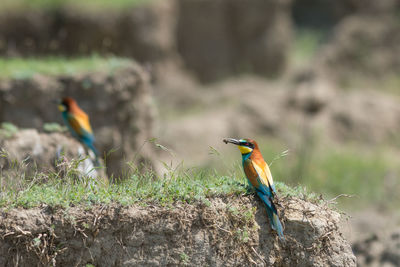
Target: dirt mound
(118,101)
(225,231)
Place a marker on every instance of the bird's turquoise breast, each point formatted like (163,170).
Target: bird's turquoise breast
(246,157)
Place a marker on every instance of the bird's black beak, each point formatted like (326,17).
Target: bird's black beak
(231,140)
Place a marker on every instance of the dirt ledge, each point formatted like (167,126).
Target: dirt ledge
(215,232)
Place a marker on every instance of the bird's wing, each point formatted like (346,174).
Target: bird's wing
(80,124)
(268,173)
(83,119)
(265,178)
(262,174)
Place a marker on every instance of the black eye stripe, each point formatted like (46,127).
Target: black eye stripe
(247,144)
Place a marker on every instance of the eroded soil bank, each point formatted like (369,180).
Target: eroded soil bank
(221,231)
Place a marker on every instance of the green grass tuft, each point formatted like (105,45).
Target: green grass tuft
(7,130)
(87,4)
(25,68)
(54,127)
(178,185)
(66,189)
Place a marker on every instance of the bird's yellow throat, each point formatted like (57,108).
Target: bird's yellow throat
(61,108)
(245,149)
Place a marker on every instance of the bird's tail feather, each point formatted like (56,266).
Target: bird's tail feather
(272,215)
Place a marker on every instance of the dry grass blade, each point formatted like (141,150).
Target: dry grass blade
(281,155)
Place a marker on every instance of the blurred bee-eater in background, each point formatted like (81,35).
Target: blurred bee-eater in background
(260,177)
(78,124)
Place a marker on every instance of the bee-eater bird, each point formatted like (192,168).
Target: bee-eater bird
(78,124)
(260,177)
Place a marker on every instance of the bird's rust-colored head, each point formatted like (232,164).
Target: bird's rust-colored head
(66,103)
(245,146)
